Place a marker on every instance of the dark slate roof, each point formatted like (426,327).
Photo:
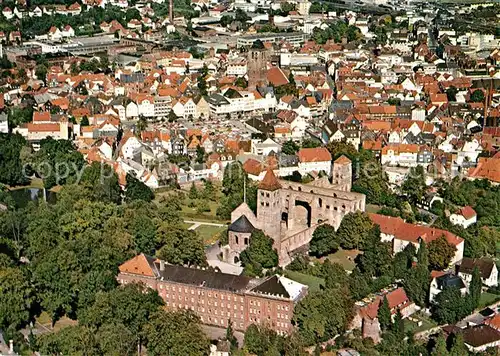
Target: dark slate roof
(484,265)
(271,286)
(205,278)
(449,280)
(242,224)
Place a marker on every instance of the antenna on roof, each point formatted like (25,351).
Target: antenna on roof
(244,189)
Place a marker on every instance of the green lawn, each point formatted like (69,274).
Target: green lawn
(412,326)
(209,233)
(343,257)
(314,283)
(487,299)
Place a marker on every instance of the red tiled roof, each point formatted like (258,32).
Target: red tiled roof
(41,116)
(137,265)
(270,182)
(467,212)
(319,154)
(342,160)
(276,76)
(402,230)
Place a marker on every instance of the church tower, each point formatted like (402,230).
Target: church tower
(256,67)
(342,173)
(269,206)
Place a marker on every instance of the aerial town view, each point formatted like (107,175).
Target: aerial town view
(249,177)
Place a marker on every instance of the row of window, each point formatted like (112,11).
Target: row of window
(200,292)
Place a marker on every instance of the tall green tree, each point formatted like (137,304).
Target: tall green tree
(414,185)
(475,288)
(384,314)
(376,260)
(440,253)
(458,347)
(354,230)
(17,298)
(477,96)
(322,315)
(449,306)
(175,334)
(324,241)
(11,165)
(439,348)
(259,254)
(137,190)
(101,183)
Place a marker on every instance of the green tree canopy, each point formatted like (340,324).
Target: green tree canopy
(324,241)
(440,253)
(259,254)
(137,190)
(322,315)
(354,230)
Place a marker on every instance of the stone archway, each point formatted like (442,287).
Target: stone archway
(302,213)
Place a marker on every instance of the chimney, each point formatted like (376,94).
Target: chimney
(171,11)
(162,265)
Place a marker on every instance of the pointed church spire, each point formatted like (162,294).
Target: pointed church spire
(270,182)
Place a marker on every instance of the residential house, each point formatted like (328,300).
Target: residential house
(314,160)
(487,269)
(4,123)
(464,217)
(442,281)
(366,317)
(401,233)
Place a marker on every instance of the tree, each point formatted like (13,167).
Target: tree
(259,254)
(439,348)
(180,246)
(384,314)
(230,335)
(84,121)
(241,16)
(57,161)
(193,192)
(449,306)
(451,93)
(137,190)
(41,72)
(475,288)
(11,166)
(377,257)
(131,14)
(322,315)
(101,183)
(116,339)
(458,347)
(354,230)
(259,339)
(414,185)
(398,327)
(175,334)
(209,190)
(16,299)
(440,253)
(200,154)
(142,125)
(290,147)
(324,241)
(477,96)
(226,20)
(334,274)
(241,82)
